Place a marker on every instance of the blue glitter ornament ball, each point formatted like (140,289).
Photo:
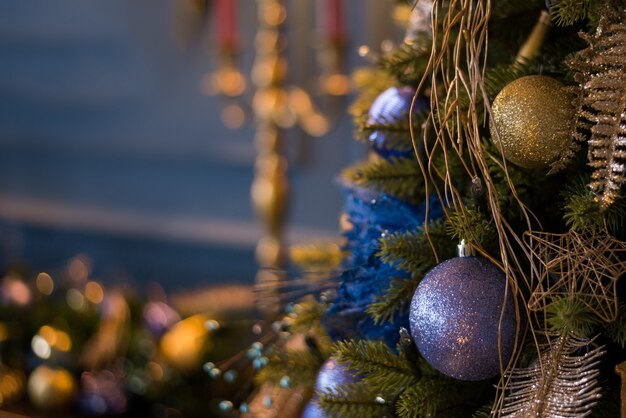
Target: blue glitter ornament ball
(393,105)
(331,375)
(455,316)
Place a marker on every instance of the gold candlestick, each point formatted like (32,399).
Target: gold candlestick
(270,186)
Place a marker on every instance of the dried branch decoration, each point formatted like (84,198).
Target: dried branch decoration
(584,265)
(559,384)
(601,116)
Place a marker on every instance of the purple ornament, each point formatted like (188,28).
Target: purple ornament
(393,105)
(331,375)
(102,393)
(158,317)
(455,316)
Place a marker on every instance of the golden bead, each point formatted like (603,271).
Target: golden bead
(51,388)
(534,117)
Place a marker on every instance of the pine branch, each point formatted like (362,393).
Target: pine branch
(300,365)
(395,299)
(408,62)
(399,177)
(370,83)
(483,412)
(525,182)
(582,211)
(561,384)
(353,400)
(410,251)
(437,396)
(568,12)
(571,315)
(307,314)
(383,371)
(421,400)
(601,113)
(616,331)
(471,226)
(397,132)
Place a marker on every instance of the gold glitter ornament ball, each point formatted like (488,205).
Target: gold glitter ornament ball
(534,116)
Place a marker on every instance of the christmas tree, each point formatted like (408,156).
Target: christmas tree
(482,240)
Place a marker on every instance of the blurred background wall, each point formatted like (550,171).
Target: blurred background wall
(109,147)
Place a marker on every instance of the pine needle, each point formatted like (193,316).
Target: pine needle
(398,177)
(353,400)
(382,370)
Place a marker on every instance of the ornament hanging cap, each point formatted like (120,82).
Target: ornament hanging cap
(463,249)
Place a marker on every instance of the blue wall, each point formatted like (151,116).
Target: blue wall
(108,146)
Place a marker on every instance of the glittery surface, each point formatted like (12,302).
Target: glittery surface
(369,215)
(331,375)
(533,115)
(391,106)
(454,318)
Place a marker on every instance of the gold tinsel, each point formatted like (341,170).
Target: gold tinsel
(601,114)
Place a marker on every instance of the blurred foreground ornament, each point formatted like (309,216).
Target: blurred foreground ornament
(457,318)
(111,338)
(158,317)
(393,106)
(13,290)
(184,344)
(11,385)
(51,388)
(533,117)
(332,374)
(102,393)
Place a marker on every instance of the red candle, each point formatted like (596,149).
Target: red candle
(226,23)
(334,21)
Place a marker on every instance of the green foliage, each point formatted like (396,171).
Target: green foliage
(370,83)
(408,62)
(306,315)
(421,400)
(410,251)
(483,412)
(395,299)
(300,365)
(471,226)
(399,177)
(500,76)
(582,211)
(304,320)
(571,314)
(616,331)
(525,182)
(439,397)
(397,132)
(568,12)
(353,400)
(383,371)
